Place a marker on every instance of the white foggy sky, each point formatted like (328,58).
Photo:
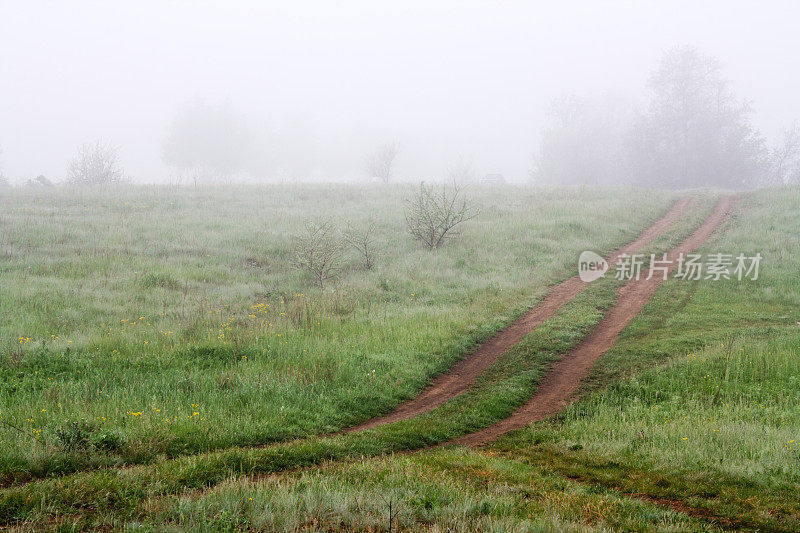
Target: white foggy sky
(445,79)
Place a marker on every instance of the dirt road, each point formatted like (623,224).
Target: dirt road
(565,377)
(454,382)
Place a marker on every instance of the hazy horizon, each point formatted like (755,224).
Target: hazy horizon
(325,84)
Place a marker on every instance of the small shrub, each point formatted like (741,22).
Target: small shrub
(318,251)
(434,215)
(96,164)
(363,241)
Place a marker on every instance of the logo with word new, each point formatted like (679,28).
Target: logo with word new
(591,266)
(686,266)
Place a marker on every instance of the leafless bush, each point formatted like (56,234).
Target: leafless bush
(434,215)
(461,171)
(785,158)
(318,251)
(363,240)
(96,164)
(381,162)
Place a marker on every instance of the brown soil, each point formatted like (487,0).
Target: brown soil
(565,376)
(449,385)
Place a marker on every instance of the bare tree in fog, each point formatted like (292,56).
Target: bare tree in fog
(461,172)
(695,131)
(786,158)
(584,142)
(209,143)
(380,163)
(96,164)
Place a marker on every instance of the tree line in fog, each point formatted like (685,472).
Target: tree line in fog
(693,131)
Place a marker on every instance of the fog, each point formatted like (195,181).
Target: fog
(321,85)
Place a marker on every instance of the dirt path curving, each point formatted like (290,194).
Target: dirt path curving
(565,376)
(461,376)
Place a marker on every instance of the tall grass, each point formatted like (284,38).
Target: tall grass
(167,321)
(734,412)
(694,409)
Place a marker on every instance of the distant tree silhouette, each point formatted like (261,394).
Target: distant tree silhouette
(39,181)
(380,163)
(785,158)
(695,132)
(96,164)
(207,142)
(584,142)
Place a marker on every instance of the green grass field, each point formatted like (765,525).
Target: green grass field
(154,336)
(172,322)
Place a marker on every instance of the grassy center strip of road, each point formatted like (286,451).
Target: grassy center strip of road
(507,384)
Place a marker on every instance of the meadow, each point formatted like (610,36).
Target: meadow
(145,322)
(688,424)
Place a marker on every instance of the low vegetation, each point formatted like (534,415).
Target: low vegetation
(174,321)
(318,251)
(685,425)
(435,214)
(95,164)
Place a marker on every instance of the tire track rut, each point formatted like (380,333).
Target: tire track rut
(565,376)
(462,375)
